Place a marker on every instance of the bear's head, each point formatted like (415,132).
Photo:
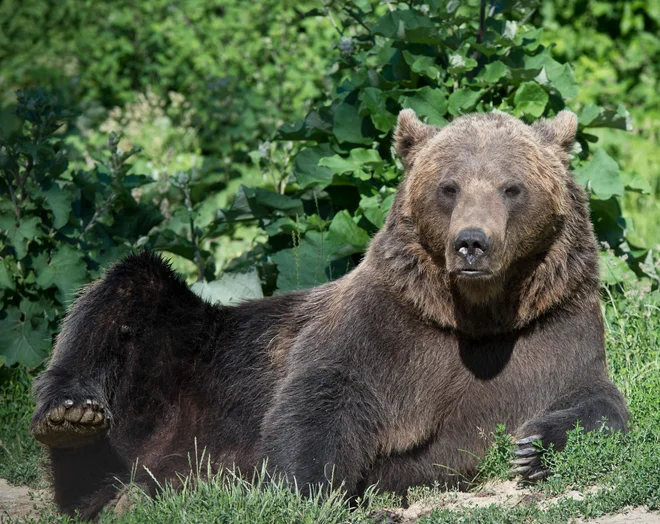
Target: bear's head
(490,211)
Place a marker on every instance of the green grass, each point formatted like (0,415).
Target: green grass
(613,471)
(21,457)
(638,152)
(227,498)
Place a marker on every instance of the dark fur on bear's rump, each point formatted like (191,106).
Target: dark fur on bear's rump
(394,375)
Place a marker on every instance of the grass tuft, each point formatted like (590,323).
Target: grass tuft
(495,464)
(21,456)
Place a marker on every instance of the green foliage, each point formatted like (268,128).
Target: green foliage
(615,49)
(182,83)
(240,68)
(230,288)
(495,464)
(57,227)
(621,35)
(443,61)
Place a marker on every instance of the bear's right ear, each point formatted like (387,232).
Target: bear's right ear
(410,135)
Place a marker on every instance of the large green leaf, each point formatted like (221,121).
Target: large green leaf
(493,72)
(303,266)
(317,125)
(375,102)
(8,271)
(422,64)
(595,116)
(283,225)
(240,209)
(376,208)
(307,170)
(409,26)
(559,76)
(20,234)
(428,102)
(23,340)
(257,202)
(59,200)
(66,270)
(614,270)
(636,183)
(348,125)
(43,308)
(531,99)
(459,64)
(463,101)
(345,237)
(562,78)
(230,288)
(601,175)
(267,201)
(357,159)
(307,264)
(588,114)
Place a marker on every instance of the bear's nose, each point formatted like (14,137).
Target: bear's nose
(471,242)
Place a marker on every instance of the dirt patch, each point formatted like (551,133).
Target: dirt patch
(632,516)
(508,493)
(21,501)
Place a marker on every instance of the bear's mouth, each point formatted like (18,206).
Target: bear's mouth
(474,273)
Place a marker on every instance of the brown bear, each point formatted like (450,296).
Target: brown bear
(477,304)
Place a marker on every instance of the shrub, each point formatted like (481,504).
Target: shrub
(442,60)
(57,226)
(240,84)
(615,49)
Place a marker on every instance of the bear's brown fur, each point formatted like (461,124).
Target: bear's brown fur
(476,305)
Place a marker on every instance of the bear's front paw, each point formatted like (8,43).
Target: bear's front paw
(70,424)
(527,459)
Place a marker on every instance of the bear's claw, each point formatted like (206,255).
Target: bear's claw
(527,460)
(69,424)
(528,440)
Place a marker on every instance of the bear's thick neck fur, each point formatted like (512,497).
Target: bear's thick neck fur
(563,274)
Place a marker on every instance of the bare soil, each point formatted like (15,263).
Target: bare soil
(21,501)
(509,493)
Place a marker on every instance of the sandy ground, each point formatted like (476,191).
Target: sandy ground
(636,516)
(21,501)
(508,494)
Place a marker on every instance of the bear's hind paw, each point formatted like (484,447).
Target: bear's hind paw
(71,424)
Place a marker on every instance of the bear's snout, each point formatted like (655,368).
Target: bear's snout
(471,245)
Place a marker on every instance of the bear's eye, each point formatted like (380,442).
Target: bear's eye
(513,190)
(449,189)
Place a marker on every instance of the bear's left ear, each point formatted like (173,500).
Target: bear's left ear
(560,130)
(410,135)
